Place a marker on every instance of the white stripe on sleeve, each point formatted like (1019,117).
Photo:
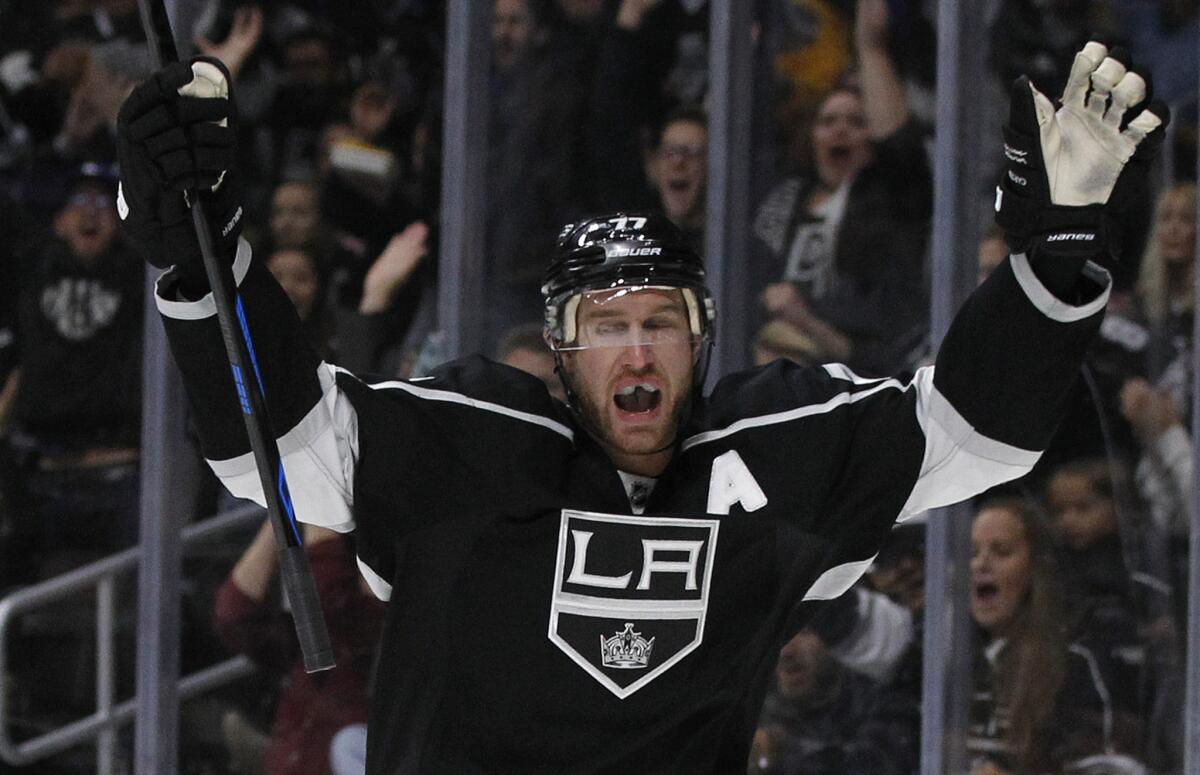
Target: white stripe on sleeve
(318,458)
(1047,302)
(205,307)
(959,461)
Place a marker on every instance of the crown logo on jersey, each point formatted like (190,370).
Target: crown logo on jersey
(626,650)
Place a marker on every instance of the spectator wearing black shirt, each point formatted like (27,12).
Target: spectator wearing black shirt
(633,102)
(1039,700)
(846,243)
(641,161)
(76,414)
(1115,576)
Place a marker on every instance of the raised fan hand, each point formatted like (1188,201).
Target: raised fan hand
(241,41)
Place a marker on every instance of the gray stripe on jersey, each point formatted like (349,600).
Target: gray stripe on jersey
(791,414)
(431,394)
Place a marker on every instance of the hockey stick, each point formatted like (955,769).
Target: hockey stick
(293,564)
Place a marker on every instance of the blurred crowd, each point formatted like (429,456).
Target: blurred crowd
(1078,572)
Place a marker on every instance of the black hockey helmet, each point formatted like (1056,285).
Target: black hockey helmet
(623,250)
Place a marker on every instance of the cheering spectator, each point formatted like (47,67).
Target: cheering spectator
(1111,566)
(1112,571)
(112,69)
(672,180)
(848,242)
(679,172)
(296,222)
(76,412)
(1038,700)
(629,104)
(98,78)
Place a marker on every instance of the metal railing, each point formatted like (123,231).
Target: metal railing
(109,716)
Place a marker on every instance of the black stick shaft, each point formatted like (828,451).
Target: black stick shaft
(295,573)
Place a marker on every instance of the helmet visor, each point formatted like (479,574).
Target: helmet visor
(606,319)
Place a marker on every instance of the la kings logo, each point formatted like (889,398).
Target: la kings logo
(630,594)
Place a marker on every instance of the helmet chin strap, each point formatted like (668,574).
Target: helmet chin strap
(699,375)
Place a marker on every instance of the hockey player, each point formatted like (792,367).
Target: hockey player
(604,586)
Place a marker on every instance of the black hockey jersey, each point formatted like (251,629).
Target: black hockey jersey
(536,623)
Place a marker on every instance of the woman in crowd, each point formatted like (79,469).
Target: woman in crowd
(845,243)
(1157,408)
(1039,701)
(1165,289)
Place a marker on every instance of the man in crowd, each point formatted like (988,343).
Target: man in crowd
(77,404)
(604,585)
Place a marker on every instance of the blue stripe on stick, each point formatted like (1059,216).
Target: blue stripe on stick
(285,496)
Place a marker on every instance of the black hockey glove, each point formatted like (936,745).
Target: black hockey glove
(176,136)
(1071,173)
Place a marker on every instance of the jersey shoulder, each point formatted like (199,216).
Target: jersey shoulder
(780,386)
(477,382)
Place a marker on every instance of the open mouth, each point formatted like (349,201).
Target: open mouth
(986,591)
(839,153)
(637,399)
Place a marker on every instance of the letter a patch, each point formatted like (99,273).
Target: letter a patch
(731,483)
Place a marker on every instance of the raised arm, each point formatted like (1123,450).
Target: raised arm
(169,143)
(1008,361)
(885,99)
(984,412)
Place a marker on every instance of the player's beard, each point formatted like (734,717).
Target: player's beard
(598,421)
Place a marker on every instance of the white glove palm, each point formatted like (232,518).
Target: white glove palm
(1083,145)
